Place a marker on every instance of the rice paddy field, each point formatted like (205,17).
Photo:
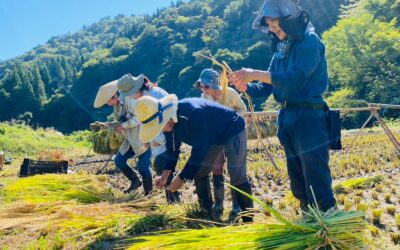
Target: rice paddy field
(87,209)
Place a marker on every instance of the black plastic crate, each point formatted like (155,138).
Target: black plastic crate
(30,167)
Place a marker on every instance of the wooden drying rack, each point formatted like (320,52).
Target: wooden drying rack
(373,108)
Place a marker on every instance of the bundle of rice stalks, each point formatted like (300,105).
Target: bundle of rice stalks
(333,229)
(357,183)
(232,237)
(106,141)
(51,155)
(52,188)
(317,230)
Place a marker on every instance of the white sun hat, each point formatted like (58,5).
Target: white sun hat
(105,93)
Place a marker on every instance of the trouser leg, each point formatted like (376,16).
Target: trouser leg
(121,162)
(236,153)
(218,208)
(143,165)
(203,190)
(218,184)
(202,179)
(245,203)
(309,141)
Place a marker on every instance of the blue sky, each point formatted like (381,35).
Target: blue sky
(27,23)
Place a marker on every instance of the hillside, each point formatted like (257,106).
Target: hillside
(58,80)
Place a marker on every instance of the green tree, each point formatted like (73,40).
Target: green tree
(121,46)
(364,55)
(38,84)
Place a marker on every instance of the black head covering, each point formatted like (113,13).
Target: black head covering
(293,20)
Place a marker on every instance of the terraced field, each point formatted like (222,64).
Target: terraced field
(86,208)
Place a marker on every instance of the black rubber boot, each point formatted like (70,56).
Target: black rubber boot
(304,205)
(173,197)
(218,208)
(245,203)
(326,205)
(147,184)
(234,214)
(203,190)
(132,176)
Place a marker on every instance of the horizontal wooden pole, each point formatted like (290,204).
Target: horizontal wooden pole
(371,106)
(386,106)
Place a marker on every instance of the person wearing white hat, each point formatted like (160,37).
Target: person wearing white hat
(209,84)
(109,94)
(297,77)
(209,128)
(126,90)
(131,88)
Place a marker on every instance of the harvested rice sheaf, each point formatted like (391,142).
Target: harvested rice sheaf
(106,141)
(333,229)
(52,187)
(357,183)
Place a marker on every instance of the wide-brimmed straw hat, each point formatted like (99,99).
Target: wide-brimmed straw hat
(105,93)
(154,115)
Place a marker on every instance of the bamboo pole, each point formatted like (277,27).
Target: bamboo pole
(359,132)
(372,107)
(387,131)
(274,114)
(382,105)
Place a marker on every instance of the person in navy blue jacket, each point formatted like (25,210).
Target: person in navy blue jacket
(297,77)
(209,128)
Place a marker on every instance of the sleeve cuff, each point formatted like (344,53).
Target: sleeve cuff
(132,122)
(125,125)
(184,176)
(276,79)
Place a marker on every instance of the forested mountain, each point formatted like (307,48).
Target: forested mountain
(54,84)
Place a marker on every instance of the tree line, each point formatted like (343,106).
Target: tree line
(54,84)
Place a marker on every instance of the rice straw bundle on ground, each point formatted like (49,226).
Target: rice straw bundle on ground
(334,229)
(331,230)
(357,183)
(51,155)
(84,189)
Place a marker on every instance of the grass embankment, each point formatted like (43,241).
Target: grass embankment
(19,141)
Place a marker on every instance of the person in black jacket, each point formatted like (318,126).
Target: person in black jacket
(209,128)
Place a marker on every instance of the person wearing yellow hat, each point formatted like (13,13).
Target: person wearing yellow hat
(209,128)
(130,90)
(209,84)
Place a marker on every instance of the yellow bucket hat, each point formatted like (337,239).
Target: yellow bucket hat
(154,115)
(105,93)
